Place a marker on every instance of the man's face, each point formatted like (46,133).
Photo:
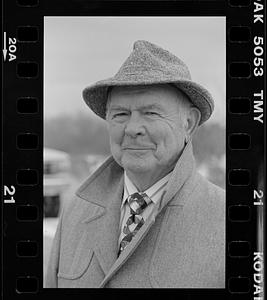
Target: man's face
(146,130)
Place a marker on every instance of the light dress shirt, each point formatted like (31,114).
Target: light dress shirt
(154,193)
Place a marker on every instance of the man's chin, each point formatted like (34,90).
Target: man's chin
(136,165)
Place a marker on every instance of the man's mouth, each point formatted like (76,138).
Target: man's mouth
(137,148)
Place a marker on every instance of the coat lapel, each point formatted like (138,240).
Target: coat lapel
(106,248)
(184,169)
(103,191)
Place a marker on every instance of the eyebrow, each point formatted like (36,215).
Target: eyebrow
(143,107)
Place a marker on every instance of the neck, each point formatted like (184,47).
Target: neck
(144,181)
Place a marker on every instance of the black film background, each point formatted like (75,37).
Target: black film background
(23,168)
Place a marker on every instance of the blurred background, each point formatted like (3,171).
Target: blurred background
(82,50)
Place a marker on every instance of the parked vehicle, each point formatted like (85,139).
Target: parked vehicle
(56,180)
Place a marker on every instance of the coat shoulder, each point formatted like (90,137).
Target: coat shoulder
(212,188)
(190,250)
(211,196)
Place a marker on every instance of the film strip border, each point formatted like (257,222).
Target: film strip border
(245,152)
(23,148)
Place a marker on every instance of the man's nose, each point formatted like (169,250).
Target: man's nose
(135,126)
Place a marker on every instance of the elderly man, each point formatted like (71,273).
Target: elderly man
(145,218)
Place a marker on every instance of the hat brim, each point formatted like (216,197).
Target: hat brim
(95,96)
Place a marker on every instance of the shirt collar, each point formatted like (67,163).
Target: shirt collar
(130,188)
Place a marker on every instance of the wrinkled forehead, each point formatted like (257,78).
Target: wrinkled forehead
(160,93)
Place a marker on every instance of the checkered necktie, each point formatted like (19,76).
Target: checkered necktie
(137,202)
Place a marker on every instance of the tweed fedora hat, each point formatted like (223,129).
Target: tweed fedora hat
(149,64)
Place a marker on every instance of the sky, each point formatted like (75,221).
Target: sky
(82,50)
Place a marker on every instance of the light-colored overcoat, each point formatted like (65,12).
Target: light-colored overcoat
(182,244)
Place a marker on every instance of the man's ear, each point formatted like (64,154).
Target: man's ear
(192,121)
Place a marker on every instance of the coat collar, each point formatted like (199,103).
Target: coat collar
(107,176)
(110,174)
(183,170)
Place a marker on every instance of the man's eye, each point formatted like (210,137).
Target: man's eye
(118,115)
(151,113)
